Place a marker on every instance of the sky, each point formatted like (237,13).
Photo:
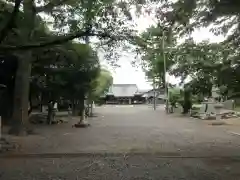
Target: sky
(127,74)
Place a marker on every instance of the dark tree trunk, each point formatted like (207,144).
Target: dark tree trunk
(6,106)
(20,125)
(82,110)
(41,102)
(22,80)
(50,117)
(82,122)
(51,113)
(30,108)
(185,109)
(187,105)
(91,109)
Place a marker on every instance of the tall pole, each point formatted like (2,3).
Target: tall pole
(154,94)
(165,71)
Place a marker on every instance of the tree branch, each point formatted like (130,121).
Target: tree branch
(11,22)
(49,7)
(57,40)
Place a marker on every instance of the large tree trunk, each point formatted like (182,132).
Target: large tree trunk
(21,94)
(91,109)
(30,108)
(83,121)
(21,91)
(82,111)
(41,102)
(51,113)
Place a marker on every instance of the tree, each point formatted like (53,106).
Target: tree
(66,72)
(174,95)
(108,19)
(151,48)
(99,86)
(187,15)
(102,84)
(206,65)
(71,16)
(221,17)
(89,71)
(20,109)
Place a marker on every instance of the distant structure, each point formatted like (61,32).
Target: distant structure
(124,94)
(159,93)
(130,94)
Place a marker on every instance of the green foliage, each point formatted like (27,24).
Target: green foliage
(154,45)
(174,96)
(102,83)
(181,96)
(66,71)
(188,15)
(206,64)
(109,20)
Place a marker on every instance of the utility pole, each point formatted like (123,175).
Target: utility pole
(165,71)
(154,94)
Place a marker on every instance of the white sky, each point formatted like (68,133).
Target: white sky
(127,74)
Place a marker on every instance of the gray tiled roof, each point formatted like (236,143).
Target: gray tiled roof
(123,90)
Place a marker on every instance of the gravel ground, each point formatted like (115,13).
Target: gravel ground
(120,167)
(133,129)
(129,142)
